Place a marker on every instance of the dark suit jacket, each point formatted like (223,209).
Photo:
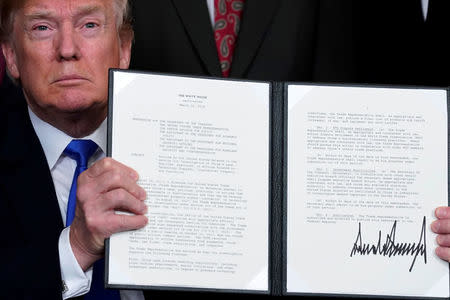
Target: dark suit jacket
(30,219)
(395,45)
(295,40)
(434,49)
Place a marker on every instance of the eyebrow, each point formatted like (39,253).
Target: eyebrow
(89,10)
(39,15)
(44,13)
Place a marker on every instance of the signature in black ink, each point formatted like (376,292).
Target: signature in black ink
(390,247)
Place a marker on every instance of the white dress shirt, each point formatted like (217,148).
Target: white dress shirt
(424,9)
(76,282)
(210,4)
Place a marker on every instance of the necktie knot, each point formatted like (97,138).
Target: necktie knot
(81,151)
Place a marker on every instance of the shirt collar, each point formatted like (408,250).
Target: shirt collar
(54,141)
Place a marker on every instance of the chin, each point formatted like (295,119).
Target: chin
(75,102)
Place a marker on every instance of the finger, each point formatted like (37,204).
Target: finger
(443,240)
(119,222)
(442,212)
(118,178)
(441,226)
(120,199)
(443,253)
(109,164)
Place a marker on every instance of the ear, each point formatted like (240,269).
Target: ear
(126,40)
(11,59)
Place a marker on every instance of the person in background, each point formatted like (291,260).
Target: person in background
(402,42)
(284,40)
(433,49)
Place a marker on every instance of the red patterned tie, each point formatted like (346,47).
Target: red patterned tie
(227,16)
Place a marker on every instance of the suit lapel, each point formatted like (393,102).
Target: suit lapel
(256,20)
(195,17)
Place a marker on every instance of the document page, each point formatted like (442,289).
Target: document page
(366,169)
(201,148)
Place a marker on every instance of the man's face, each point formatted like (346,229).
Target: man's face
(61,51)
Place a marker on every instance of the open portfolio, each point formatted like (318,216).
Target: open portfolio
(280,188)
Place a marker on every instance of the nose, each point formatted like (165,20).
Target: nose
(67,43)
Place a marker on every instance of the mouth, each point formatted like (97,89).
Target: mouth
(71,79)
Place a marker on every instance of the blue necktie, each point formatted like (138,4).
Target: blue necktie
(81,151)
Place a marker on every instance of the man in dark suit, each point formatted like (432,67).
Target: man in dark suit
(285,40)
(402,42)
(433,51)
(59,52)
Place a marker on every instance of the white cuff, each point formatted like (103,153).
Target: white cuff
(75,282)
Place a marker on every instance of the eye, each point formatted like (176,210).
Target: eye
(90,25)
(41,28)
